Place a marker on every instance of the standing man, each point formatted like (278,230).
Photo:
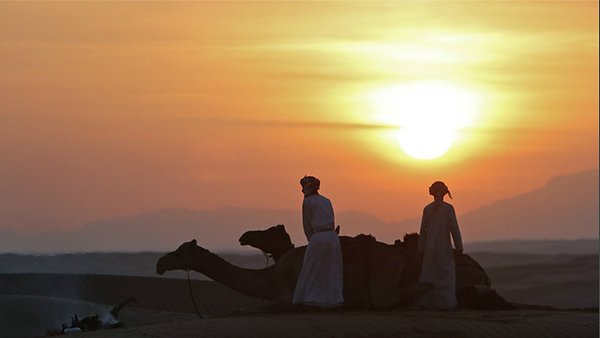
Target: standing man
(321,279)
(437,225)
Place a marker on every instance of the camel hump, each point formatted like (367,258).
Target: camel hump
(469,272)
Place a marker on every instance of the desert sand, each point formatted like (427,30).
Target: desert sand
(372,324)
(33,303)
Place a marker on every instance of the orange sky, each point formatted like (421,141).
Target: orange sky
(114,108)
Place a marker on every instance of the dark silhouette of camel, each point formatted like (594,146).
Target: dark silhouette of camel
(373,273)
(273,242)
(472,283)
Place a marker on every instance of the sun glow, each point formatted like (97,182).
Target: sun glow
(429,115)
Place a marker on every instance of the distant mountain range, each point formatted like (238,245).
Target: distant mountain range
(566,208)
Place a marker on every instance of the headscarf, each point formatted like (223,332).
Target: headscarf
(310,183)
(439,186)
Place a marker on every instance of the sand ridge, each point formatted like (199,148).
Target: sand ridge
(164,309)
(163,294)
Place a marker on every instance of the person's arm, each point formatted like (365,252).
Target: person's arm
(455,231)
(306,214)
(332,217)
(422,233)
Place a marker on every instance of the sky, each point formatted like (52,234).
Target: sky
(116,108)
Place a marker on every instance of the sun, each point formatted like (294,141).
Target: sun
(429,115)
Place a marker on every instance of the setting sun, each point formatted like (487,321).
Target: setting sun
(429,115)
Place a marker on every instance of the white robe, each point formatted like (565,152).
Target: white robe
(321,279)
(438,223)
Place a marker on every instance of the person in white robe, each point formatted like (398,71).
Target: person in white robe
(437,225)
(321,279)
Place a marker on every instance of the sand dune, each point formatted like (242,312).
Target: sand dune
(570,283)
(30,303)
(163,294)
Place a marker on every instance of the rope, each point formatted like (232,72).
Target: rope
(267,256)
(192,295)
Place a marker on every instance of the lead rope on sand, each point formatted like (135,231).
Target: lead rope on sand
(192,294)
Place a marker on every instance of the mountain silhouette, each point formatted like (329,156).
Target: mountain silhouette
(565,208)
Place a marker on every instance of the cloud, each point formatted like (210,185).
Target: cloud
(292,124)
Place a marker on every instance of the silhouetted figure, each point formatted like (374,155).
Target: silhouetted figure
(321,279)
(437,225)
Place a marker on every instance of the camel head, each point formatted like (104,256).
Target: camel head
(274,240)
(185,257)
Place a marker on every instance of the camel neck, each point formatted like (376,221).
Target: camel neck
(250,282)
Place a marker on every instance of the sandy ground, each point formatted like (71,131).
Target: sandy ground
(30,316)
(32,303)
(372,324)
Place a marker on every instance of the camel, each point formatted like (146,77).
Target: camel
(273,242)
(473,286)
(372,275)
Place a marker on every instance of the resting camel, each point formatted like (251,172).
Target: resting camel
(472,283)
(372,278)
(376,275)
